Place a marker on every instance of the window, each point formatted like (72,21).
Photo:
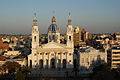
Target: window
(69,60)
(82,61)
(58,53)
(69,53)
(70,38)
(35,38)
(64,53)
(30,63)
(34,54)
(50,37)
(40,53)
(53,37)
(116,60)
(59,61)
(46,53)
(47,63)
(116,52)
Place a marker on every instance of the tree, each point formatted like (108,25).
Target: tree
(25,71)
(102,71)
(11,66)
(20,76)
(1,69)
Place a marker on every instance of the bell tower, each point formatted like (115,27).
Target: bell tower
(35,33)
(70,42)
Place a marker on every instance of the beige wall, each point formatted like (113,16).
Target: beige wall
(87,58)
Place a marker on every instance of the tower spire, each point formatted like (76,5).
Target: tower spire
(53,12)
(69,15)
(35,20)
(69,19)
(35,15)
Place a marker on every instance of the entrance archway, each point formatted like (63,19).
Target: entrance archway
(64,63)
(41,63)
(47,63)
(30,63)
(59,63)
(52,63)
(75,63)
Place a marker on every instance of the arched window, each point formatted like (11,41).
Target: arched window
(47,63)
(30,63)
(59,63)
(75,63)
(50,38)
(56,37)
(41,63)
(70,38)
(35,38)
(64,63)
(53,37)
(52,63)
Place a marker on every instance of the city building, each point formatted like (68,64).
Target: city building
(3,47)
(81,36)
(77,36)
(113,57)
(52,54)
(116,36)
(89,56)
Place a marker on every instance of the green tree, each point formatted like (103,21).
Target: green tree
(20,75)
(102,71)
(25,71)
(11,66)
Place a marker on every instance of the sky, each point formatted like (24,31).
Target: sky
(96,16)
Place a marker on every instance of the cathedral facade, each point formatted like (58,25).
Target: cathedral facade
(53,54)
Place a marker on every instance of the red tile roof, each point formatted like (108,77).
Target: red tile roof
(2,58)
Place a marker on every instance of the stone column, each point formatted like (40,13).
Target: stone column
(44,61)
(61,66)
(49,60)
(67,61)
(56,61)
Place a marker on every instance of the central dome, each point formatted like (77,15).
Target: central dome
(53,26)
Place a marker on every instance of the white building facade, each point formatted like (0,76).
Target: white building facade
(53,54)
(89,57)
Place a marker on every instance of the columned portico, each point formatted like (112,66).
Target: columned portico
(52,60)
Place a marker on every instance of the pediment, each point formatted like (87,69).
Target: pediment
(53,45)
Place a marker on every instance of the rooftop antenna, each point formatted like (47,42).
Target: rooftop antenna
(69,15)
(69,19)
(34,14)
(53,18)
(53,12)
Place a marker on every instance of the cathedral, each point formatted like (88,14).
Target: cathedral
(52,54)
